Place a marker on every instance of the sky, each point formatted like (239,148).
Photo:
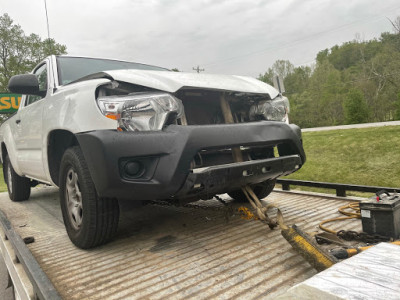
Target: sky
(241,37)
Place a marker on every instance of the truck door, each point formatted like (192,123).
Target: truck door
(28,135)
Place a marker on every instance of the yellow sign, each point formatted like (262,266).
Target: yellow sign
(9,103)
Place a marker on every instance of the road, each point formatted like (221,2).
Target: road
(352,126)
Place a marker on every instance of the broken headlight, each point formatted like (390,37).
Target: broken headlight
(141,111)
(271,110)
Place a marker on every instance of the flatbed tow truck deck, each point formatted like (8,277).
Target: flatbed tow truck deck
(168,252)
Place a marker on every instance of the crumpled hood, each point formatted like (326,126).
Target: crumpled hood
(174,81)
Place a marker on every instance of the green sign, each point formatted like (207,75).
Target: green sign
(9,103)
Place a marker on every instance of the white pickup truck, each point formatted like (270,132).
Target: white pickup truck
(103,130)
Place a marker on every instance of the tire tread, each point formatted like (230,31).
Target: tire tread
(265,189)
(103,213)
(21,186)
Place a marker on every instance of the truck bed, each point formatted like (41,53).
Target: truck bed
(160,252)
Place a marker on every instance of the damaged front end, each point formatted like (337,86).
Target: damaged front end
(181,144)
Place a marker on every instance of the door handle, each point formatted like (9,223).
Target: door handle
(17,121)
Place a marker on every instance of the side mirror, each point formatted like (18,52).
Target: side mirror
(26,84)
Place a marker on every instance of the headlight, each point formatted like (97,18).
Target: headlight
(141,111)
(271,110)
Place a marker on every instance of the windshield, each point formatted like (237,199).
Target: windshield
(73,68)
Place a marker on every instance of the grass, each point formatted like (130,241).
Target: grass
(3,187)
(368,156)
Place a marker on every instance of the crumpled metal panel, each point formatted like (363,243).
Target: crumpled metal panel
(174,81)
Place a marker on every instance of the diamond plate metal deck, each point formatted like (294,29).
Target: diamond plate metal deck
(164,252)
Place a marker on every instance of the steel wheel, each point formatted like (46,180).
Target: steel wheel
(74,199)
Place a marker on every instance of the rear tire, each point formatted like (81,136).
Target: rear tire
(90,220)
(19,188)
(262,190)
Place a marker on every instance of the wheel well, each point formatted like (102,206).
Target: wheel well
(58,142)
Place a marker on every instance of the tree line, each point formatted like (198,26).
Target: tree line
(20,53)
(356,82)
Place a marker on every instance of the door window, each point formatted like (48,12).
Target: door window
(41,74)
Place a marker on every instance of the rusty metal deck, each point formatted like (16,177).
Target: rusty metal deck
(164,252)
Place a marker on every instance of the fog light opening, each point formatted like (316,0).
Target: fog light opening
(134,169)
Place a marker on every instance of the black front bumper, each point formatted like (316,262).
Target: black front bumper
(166,156)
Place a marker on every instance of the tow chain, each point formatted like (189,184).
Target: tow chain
(262,211)
(192,205)
(362,237)
(351,235)
(205,207)
(226,208)
(262,214)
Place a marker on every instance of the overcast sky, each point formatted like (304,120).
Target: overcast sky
(222,36)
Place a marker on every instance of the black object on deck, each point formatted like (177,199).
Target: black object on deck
(381,215)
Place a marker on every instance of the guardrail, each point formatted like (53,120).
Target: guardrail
(340,188)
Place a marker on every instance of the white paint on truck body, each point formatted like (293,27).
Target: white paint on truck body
(73,108)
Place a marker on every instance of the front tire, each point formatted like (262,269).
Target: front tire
(19,188)
(262,190)
(90,220)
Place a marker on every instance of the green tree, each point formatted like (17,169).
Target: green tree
(19,53)
(345,56)
(267,77)
(379,80)
(397,106)
(281,68)
(322,55)
(355,108)
(371,67)
(298,81)
(325,90)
